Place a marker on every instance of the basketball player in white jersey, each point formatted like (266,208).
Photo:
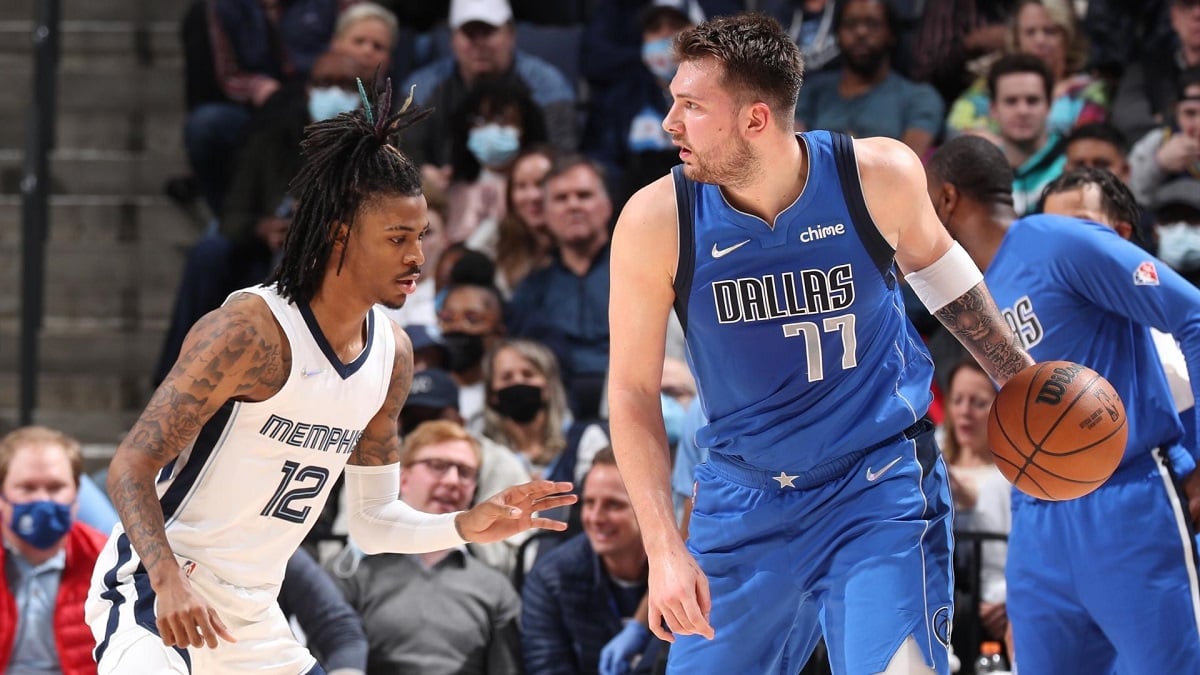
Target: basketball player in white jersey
(231,462)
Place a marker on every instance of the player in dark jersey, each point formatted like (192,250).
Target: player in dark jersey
(824,504)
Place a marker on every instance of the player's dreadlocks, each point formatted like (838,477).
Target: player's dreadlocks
(348,160)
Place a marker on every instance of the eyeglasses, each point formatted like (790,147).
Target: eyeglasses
(439,467)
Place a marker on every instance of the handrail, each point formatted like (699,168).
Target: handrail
(35,192)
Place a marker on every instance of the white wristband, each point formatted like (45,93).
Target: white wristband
(946,280)
(380,523)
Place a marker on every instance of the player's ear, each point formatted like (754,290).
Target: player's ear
(758,117)
(339,233)
(1124,229)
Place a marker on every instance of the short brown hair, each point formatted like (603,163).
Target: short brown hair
(37,435)
(758,58)
(434,432)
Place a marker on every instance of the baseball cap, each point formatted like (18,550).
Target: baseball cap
(491,12)
(1179,192)
(432,388)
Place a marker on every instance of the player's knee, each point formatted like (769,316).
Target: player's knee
(908,660)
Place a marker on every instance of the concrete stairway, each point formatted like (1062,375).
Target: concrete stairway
(116,243)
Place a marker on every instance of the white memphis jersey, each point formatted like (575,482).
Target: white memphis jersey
(241,499)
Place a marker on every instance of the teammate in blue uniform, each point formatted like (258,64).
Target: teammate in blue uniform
(231,462)
(1106,582)
(824,503)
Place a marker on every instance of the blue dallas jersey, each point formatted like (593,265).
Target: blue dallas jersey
(1074,290)
(797,335)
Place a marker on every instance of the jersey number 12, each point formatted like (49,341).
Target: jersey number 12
(308,482)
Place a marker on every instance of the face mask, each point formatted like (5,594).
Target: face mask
(327,102)
(41,524)
(494,145)
(519,402)
(660,59)
(465,351)
(673,415)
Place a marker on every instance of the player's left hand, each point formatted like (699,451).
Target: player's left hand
(512,511)
(1191,488)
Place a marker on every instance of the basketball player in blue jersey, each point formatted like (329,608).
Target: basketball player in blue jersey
(231,462)
(824,503)
(1107,582)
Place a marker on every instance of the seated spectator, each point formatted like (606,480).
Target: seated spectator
(1102,146)
(441,613)
(810,23)
(520,242)
(495,121)
(565,305)
(1019,85)
(956,42)
(1149,87)
(257,45)
(866,97)
(47,557)
(367,32)
(483,41)
(258,209)
(471,322)
(1049,30)
(1165,167)
(527,412)
(578,596)
(611,55)
(1172,151)
(331,629)
(644,151)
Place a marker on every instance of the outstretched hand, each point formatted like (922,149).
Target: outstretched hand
(512,511)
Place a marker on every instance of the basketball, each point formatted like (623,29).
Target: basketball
(1057,430)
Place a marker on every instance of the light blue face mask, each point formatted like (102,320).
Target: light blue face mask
(660,58)
(673,418)
(327,102)
(494,145)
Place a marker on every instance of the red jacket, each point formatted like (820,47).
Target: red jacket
(72,636)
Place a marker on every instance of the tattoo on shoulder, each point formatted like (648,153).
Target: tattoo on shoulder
(974,319)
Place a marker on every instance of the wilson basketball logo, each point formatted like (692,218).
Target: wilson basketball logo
(1056,385)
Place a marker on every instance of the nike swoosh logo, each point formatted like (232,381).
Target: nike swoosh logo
(722,252)
(305,372)
(873,476)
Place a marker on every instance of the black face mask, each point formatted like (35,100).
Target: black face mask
(519,402)
(465,351)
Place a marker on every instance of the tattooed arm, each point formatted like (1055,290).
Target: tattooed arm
(977,323)
(233,352)
(380,441)
(895,190)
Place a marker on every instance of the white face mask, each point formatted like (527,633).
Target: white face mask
(494,145)
(327,102)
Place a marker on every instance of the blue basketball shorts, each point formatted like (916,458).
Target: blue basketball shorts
(1107,582)
(859,549)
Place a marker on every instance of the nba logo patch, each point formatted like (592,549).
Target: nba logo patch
(1146,274)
